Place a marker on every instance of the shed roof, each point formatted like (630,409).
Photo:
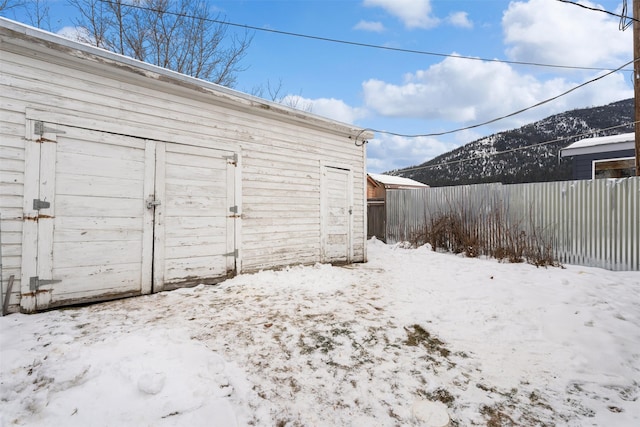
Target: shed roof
(601,144)
(26,37)
(396,181)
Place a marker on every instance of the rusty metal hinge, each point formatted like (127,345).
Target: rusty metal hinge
(40,129)
(35,282)
(234,212)
(40,204)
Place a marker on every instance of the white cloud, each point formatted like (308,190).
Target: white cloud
(465,92)
(459,92)
(549,31)
(78,34)
(332,108)
(413,13)
(375,27)
(460,19)
(388,152)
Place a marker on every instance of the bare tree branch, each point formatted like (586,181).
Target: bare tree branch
(10,4)
(181,35)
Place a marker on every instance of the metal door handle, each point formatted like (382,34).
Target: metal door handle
(153,203)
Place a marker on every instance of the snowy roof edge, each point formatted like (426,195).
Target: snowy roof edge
(214,88)
(395,180)
(601,144)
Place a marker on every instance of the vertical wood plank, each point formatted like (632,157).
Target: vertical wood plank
(349,191)
(29,262)
(323,212)
(231,217)
(48,149)
(237,190)
(146,278)
(159,217)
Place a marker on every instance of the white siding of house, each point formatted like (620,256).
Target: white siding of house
(279,162)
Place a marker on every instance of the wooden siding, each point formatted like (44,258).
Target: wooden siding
(583,164)
(279,159)
(376,220)
(375,190)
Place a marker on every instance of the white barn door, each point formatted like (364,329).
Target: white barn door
(109,216)
(87,235)
(194,220)
(336,217)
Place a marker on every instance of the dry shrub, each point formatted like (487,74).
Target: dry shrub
(458,231)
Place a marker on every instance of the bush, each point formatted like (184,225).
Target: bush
(460,232)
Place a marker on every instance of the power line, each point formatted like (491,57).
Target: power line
(525,147)
(624,16)
(367,45)
(498,118)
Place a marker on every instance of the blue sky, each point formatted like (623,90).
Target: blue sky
(421,94)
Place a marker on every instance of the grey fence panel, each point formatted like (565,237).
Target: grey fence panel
(593,222)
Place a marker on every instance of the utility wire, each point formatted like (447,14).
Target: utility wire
(624,16)
(367,45)
(525,147)
(498,118)
(610,71)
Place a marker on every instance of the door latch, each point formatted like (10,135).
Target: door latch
(153,203)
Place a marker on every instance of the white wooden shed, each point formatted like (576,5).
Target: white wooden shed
(120,178)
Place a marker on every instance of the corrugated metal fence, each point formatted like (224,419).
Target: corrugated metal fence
(593,223)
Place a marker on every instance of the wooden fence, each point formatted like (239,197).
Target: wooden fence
(593,222)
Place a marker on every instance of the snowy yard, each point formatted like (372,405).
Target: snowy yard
(364,345)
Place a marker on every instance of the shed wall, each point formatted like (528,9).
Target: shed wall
(280,158)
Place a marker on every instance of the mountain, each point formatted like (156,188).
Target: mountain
(535,164)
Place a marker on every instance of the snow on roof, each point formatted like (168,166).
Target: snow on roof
(396,180)
(60,43)
(624,141)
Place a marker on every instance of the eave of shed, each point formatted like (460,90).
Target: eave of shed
(602,144)
(390,181)
(25,38)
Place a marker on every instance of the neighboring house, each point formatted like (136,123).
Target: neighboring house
(377,186)
(603,157)
(120,178)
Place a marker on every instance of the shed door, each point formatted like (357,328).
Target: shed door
(336,216)
(194,222)
(87,234)
(108,216)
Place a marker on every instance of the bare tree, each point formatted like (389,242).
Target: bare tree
(182,35)
(274,92)
(38,13)
(10,4)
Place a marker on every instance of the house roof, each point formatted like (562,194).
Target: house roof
(396,181)
(25,36)
(601,144)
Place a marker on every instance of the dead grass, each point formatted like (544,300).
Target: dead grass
(417,335)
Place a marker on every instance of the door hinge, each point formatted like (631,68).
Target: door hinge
(40,129)
(232,160)
(234,212)
(40,204)
(35,282)
(233,254)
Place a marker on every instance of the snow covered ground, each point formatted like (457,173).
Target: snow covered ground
(493,344)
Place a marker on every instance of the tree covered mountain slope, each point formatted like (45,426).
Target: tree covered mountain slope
(477,162)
